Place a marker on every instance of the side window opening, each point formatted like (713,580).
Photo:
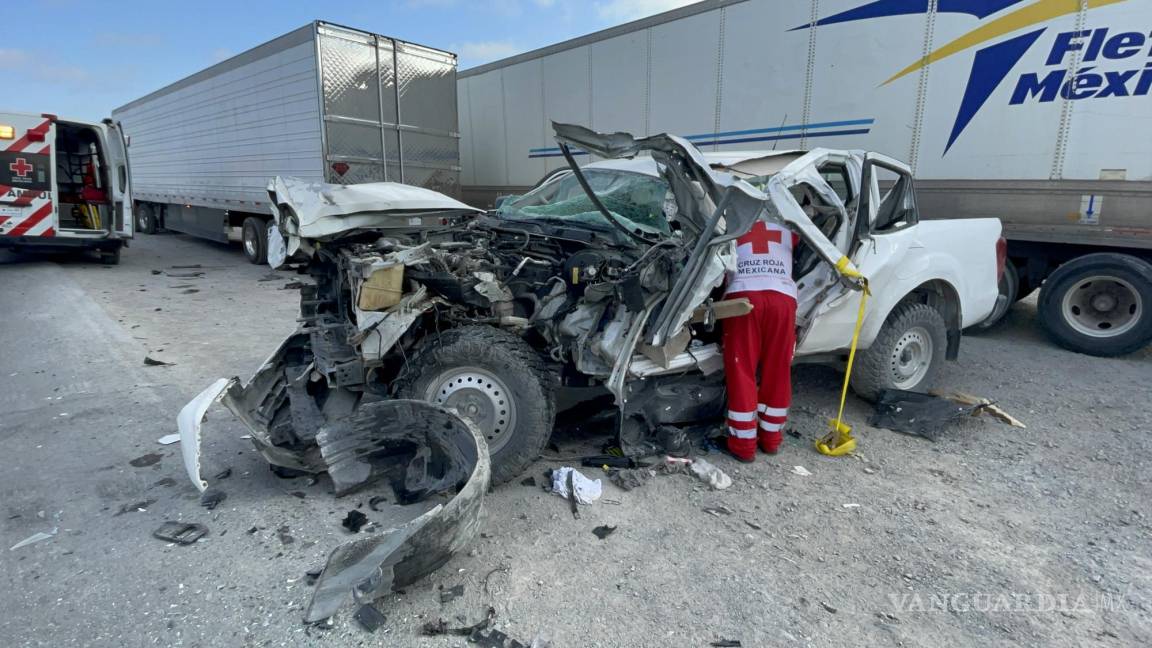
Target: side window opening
(836,175)
(897,208)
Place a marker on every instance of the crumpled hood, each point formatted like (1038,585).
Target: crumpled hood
(318,210)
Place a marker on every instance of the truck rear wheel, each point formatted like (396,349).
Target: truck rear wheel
(1099,304)
(495,380)
(906,355)
(255,240)
(145,219)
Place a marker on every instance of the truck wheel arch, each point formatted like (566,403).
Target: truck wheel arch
(941,296)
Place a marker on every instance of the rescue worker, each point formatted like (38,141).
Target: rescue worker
(764,340)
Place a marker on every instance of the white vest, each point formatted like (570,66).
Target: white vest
(764,260)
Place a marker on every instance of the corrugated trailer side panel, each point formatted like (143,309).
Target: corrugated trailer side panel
(214,139)
(1111,122)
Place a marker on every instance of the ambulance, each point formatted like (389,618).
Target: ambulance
(64,185)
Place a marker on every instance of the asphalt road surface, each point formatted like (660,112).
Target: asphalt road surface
(988,536)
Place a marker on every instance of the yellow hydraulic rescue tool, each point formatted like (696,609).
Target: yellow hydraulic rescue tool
(839,440)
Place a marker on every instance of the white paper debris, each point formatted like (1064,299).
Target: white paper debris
(587,490)
(710,474)
(801,470)
(168,439)
(33,539)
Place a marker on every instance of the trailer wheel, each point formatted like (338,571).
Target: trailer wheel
(1009,287)
(145,219)
(1099,304)
(255,240)
(906,355)
(495,380)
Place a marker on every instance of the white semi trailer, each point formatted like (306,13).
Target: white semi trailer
(1036,112)
(323,102)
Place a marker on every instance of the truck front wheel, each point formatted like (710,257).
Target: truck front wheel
(906,355)
(255,239)
(1099,304)
(495,380)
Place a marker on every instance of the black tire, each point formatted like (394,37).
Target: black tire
(901,341)
(1073,298)
(502,365)
(145,219)
(255,240)
(110,257)
(1009,286)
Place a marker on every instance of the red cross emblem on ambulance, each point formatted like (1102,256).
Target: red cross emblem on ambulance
(21,167)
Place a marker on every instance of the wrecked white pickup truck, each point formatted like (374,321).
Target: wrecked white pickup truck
(603,277)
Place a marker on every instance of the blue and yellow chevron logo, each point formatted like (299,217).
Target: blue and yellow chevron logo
(992,63)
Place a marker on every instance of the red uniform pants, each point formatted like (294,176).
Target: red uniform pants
(763,340)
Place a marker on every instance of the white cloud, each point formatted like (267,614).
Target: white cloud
(624,10)
(40,68)
(12,58)
(480,52)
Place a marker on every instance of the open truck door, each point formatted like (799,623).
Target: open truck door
(28,201)
(121,181)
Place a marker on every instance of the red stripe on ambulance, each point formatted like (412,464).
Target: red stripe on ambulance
(22,143)
(32,221)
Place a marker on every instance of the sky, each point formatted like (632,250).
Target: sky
(82,59)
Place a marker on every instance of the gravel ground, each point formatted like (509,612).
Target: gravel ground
(989,536)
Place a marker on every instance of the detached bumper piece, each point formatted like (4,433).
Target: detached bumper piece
(436,464)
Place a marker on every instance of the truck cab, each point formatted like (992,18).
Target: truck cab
(64,185)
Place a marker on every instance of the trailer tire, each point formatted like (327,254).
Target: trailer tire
(906,355)
(146,219)
(254,240)
(1099,304)
(1009,287)
(495,380)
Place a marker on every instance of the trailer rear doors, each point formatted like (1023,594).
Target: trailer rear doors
(389,111)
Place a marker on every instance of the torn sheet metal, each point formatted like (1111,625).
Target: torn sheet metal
(375,565)
(307,211)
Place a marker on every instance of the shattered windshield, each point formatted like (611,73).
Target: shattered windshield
(636,199)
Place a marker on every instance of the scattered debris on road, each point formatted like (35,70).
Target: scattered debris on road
(223,474)
(285,535)
(603,531)
(568,479)
(627,479)
(440,627)
(168,439)
(709,474)
(184,533)
(916,414)
(134,507)
(34,538)
(451,593)
(726,643)
(144,461)
(152,362)
(212,498)
(801,470)
(983,406)
(354,521)
(369,617)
